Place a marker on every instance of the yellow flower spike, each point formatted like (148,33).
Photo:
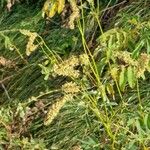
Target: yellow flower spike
(70,87)
(66,68)
(84,59)
(55,108)
(61,5)
(114,73)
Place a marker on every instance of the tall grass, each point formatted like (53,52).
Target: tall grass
(77,89)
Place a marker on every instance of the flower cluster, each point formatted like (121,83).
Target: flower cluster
(6,63)
(84,59)
(31,47)
(67,67)
(125,57)
(143,64)
(55,108)
(70,87)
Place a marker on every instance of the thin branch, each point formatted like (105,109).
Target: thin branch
(5,79)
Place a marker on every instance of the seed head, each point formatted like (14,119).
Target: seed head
(70,87)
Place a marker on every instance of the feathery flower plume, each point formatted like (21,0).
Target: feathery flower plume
(70,87)
(67,67)
(55,108)
(31,47)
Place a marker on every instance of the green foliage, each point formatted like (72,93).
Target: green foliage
(13,123)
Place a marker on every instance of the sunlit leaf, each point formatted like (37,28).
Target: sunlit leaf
(137,49)
(110,90)
(123,78)
(131,76)
(148,46)
(103,92)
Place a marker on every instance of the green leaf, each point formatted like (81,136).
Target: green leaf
(101,64)
(7,42)
(131,76)
(110,90)
(146,117)
(123,78)
(137,49)
(148,121)
(103,92)
(139,129)
(131,145)
(110,41)
(148,46)
(45,71)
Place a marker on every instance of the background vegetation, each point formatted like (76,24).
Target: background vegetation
(74,75)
